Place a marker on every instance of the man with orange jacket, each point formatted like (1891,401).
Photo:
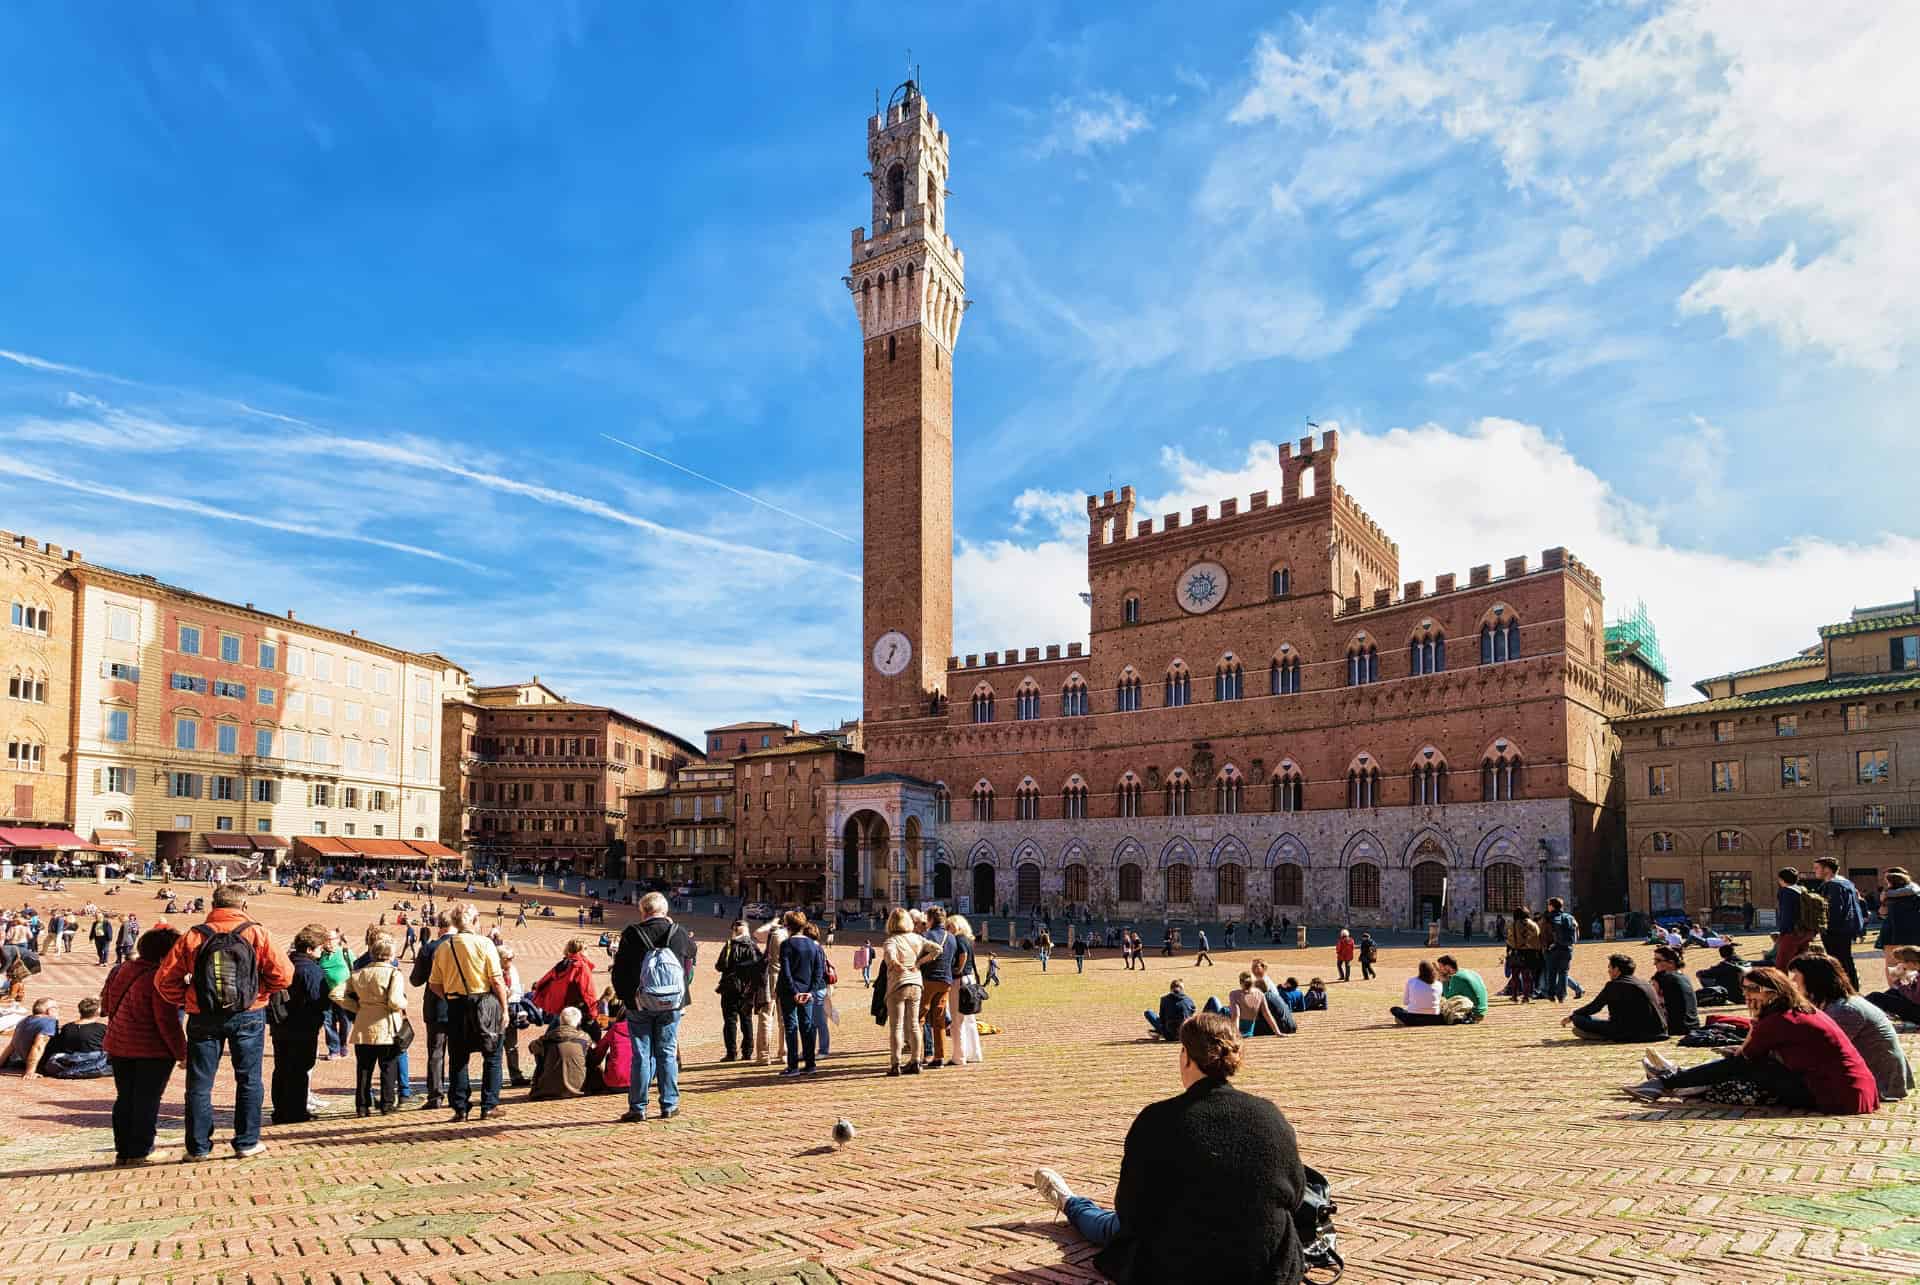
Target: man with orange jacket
(222,972)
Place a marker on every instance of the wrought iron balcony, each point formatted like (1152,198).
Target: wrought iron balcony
(1874,816)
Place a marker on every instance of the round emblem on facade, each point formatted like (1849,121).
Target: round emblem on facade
(891,652)
(1202,587)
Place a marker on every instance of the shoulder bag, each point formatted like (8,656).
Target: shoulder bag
(484,1017)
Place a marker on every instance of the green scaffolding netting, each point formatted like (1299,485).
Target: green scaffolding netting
(1634,634)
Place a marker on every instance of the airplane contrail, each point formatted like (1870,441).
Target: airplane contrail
(711,481)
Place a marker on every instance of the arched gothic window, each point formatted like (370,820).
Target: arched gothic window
(942,802)
(1073,698)
(1026,702)
(1179,686)
(1281,582)
(983,704)
(1229,680)
(1229,792)
(1500,638)
(1129,796)
(1500,778)
(983,802)
(896,188)
(1428,783)
(1427,652)
(1128,693)
(1026,801)
(1283,674)
(1289,789)
(1363,664)
(1363,786)
(1073,800)
(1179,792)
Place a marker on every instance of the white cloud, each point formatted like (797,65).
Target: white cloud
(1499,489)
(1093,121)
(1619,140)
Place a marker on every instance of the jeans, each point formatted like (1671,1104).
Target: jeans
(339,1022)
(405,1071)
(459,1058)
(653,1036)
(100,945)
(366,1057)
(1366,969)
(1079,963)
(736,1025)
(294,1050)
(1096,1226)
(244,1038)
(1346,969)
(138,1083)
(1553,981)
(802,1038)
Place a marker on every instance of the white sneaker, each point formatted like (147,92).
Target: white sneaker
(248,1153)
(1053,1187)
(1658,1064)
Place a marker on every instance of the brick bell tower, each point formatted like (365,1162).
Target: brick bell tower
(907,287)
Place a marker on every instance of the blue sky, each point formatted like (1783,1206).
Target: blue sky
(338,310)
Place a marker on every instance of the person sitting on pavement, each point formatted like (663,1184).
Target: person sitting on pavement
(1419,998)
(78,1052)
(1635,1013)
(1826,984)
(1209,1181)
(1462,997)
(31,1037)
(1676,990)
(1248,1009)
(569,983)
(1295,997)
(1901,999)
(1175,1008)
(1794,1056)
(1316,996)
(560,1058)
(1278,1009)
(1725,974)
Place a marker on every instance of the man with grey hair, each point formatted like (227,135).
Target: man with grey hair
(434,1010)
(650,975)
(466,970)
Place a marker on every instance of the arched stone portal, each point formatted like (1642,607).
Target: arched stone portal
(864,858)
(983,893)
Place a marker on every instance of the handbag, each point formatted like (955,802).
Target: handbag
(484,1018)
(972,996)
(404,1036)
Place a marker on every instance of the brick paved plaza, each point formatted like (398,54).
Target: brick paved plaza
(1493,1153)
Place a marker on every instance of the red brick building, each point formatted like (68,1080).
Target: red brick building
(1266,717)
(1815,755)
(783,799)
(537,779)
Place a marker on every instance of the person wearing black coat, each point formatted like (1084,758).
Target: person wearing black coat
(1635,1012)
(1209,1181)
(296,1032)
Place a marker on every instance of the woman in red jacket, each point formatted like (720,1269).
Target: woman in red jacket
(144,1044)
(1794,1056)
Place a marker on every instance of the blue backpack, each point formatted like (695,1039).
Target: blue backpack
(663,980)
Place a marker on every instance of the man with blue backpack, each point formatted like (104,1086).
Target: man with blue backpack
(222,972)
(650,971)
(1846,916)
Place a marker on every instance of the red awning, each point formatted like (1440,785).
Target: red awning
(326,846)
(118,838)
(227,841)
(269,843)
(40,839)
(436,851)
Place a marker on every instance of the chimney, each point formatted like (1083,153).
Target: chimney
(796,727)
(290,615)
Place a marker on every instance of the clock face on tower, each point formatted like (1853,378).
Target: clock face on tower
(891,653)
(1201,587)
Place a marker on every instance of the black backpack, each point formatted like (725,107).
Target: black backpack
(1313,1222)
(226,972)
